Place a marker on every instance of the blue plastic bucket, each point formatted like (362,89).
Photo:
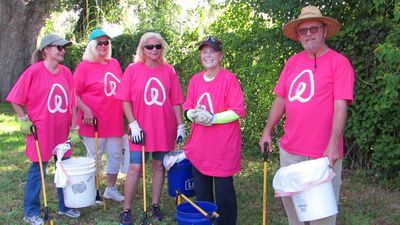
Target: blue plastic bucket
(180,178)
(186,214)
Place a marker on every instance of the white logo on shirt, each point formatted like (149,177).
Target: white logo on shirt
(210,105)
(57,100)
(110,84)
(301,87)
(154,93)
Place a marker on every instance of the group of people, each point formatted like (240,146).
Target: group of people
(313,91)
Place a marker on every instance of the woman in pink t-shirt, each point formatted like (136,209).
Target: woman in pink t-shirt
(44,97)
(152,98)
(214,104)
(96,81)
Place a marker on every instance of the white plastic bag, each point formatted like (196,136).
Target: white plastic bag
(173,157)
(60,176)
(301,176)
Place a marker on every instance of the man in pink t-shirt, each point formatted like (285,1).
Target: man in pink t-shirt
(313,91)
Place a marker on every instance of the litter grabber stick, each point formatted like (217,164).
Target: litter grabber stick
(178,200)
(99,198)
(46,217)
(265,156)
(145,220)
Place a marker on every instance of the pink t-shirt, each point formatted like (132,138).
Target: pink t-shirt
(309,94)
(152,93)
(215,150)
(48,100)
(96,85)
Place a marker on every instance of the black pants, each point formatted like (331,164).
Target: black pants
(225,195)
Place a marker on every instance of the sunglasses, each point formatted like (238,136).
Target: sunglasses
(105,43)
(313,30)
(59,47)
(151,47)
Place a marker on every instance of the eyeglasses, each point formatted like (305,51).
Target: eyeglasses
(105,43)
(59,47)
(151,47)
(313,30)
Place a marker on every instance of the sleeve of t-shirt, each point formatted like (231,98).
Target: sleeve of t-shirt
(19,92)
(344,77)
(79,79)
(189,103)
(123,91)
(235,98)
(176,94)
(280,88)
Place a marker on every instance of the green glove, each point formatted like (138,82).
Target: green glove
(74,136)
(25,125)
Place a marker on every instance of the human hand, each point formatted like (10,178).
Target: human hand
(74,136)
(204,117)
(180,133)
(135,132)
(265,142)
(332,152)
(87,117)
(25,125)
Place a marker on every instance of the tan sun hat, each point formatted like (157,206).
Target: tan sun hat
(310,13)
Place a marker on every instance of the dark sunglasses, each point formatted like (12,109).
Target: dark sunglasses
(151,47)
(59,47)
(304,31)
(105,43)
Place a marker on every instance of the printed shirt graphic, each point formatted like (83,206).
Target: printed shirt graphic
(215,150)
(48,99)
(96,84)
(309,99)
(152,93)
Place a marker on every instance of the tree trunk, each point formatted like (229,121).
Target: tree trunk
(20,23)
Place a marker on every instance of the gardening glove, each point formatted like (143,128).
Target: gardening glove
(190,114)
(74,136)
(204,117)
(135,132)
(25,125)
(180,133)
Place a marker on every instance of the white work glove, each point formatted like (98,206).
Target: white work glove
(180,133)
(204,117)
(135,132)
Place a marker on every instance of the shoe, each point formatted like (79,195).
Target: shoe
(125,218)
(112,193)
(33,220)
(156,212)
(71,213)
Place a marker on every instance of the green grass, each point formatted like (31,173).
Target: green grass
(363,201)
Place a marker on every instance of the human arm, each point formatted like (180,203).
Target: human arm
(24,121)
(87,112)
(338,124)
(275,114)
(206,118)
(133,124)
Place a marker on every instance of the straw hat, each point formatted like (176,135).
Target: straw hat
(310,13)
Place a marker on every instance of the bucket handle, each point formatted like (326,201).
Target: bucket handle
(178,200)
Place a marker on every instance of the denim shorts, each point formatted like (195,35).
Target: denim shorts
(136,157)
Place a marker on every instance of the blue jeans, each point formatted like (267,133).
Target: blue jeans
(32,191)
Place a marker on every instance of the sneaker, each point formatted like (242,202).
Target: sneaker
(112,193)
(71,213)
(156,212)
(125,218)
(33,220)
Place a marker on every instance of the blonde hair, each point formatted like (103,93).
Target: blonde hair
(91,53)
(140,57)
(37,56)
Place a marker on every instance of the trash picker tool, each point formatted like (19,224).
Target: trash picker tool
(99,198)
(265,156)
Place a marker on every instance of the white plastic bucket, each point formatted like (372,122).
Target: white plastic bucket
(315,203)
(125,155)
(80,190)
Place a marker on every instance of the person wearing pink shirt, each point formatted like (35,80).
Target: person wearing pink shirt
(214,104)
(43,96)
(152,98)
(96,81)
(313,91)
